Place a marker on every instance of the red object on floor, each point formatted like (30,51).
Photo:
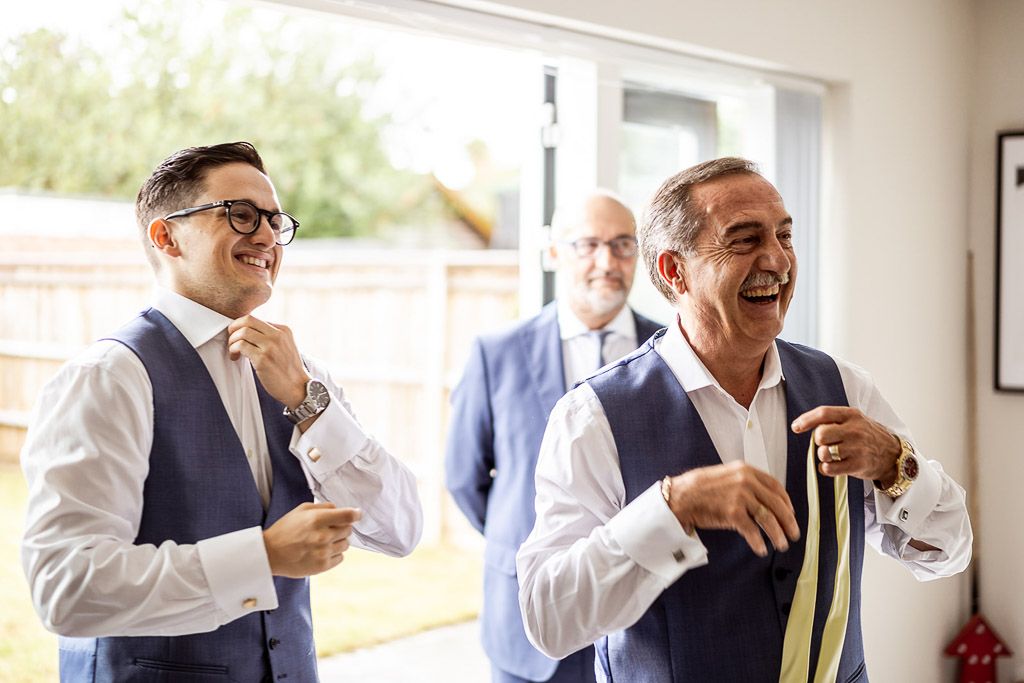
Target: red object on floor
(978,646)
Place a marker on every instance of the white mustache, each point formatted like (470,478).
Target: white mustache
(607,274)
(758,280)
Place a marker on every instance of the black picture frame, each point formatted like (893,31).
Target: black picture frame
(1009,310)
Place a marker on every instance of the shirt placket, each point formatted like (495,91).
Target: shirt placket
(754,452)
(247,403)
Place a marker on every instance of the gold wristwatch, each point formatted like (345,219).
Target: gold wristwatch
(907,469)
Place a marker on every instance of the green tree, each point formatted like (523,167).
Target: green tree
(95,120)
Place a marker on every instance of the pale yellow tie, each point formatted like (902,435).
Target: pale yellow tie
(796,648)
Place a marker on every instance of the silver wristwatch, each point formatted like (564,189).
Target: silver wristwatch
(316,401)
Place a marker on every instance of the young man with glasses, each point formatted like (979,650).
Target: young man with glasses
(499,410)
(189,473)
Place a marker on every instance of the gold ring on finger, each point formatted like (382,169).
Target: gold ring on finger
(833,450)
(760,514)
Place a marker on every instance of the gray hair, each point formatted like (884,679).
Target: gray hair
(674,219)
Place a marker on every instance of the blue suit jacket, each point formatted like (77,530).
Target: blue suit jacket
(499,411)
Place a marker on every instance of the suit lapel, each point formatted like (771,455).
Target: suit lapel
(542,346)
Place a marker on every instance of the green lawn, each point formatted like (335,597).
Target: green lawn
(367,599)
(27,651)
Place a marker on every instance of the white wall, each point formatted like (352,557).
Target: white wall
(998,94)
(893,248)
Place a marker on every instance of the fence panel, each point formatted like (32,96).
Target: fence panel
(393,327)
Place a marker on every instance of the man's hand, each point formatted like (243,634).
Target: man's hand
(865,449)
(271,350)
(862,448)
(735,496)
(310,539)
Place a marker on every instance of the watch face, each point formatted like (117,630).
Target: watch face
(910,467)
(317,393)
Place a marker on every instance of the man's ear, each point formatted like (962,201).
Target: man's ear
(671,269)
(550,261)
(161,237)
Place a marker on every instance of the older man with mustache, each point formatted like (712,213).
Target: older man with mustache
(687,521)
(500,407)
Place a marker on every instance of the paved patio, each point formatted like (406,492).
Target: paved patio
(451,654)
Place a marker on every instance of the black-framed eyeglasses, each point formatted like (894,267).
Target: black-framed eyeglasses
(623,246)
(244,218)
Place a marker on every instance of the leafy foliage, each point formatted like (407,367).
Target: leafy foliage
(76,118)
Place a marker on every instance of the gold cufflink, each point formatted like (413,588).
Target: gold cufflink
(314,454)
(249,603)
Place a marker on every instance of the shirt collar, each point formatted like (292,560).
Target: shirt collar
(691,372)
(197,323)
(569,325)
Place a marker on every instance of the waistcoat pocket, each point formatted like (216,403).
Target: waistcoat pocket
(181,667)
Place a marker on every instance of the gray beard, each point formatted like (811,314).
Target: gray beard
(600,303)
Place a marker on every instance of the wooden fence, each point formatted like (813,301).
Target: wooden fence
(393,326)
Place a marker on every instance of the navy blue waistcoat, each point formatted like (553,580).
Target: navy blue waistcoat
(725,621)
(200,485)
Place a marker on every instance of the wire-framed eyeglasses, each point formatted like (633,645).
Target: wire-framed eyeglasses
(623,246)
(244,218)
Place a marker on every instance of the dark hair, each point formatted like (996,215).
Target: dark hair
(673,219)
(180,178)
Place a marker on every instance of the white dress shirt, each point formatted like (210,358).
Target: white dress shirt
(86,459)
(579,347)
(593,564)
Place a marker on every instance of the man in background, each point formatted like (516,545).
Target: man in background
(190,472)
(501,406)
